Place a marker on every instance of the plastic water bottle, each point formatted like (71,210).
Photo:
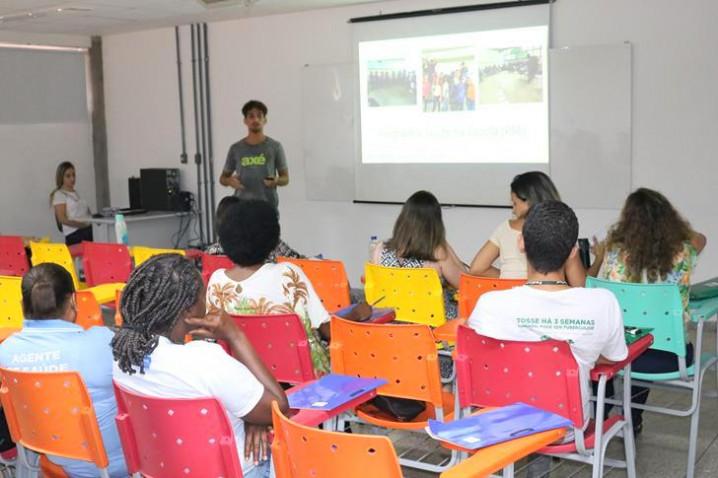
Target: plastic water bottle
(373,243)
(121,229)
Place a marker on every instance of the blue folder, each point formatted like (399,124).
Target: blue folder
(332,391)
(496,426)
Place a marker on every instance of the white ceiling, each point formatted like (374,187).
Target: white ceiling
(99,17)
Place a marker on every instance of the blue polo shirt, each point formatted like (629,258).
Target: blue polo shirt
(54,345)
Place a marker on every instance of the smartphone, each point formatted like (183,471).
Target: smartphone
(584,251)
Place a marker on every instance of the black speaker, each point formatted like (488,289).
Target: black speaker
(159,188)
(133,184)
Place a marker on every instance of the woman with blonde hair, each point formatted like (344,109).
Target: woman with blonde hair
(69,208)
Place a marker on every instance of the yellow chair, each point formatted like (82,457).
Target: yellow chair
(416,295)
(59,254)
(141,253)
(10,306)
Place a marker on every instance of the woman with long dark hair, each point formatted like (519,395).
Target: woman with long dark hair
(527,189)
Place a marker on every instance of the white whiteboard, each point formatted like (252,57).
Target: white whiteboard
(590,124)
(328,139)
(590,127)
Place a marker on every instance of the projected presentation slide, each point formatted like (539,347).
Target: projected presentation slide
(477,97)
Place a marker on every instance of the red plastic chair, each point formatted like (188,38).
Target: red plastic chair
(211,263)
(495,373)
(329,279)
(169,438)
(471,288)
(13,258)
(281,342)
(106,263)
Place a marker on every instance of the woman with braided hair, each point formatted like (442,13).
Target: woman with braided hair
(50,341)
(164,301)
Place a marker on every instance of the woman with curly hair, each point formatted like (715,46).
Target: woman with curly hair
(650,243)
(248,233)
(162,303)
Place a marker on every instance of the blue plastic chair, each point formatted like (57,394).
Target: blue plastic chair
(659,306)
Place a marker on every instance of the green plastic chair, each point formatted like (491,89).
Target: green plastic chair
(659,306)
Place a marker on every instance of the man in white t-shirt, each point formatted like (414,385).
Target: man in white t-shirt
(546,307)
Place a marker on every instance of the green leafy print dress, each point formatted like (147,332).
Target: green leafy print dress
(274,289)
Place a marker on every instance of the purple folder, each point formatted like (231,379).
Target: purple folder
(496,426)
(332,391)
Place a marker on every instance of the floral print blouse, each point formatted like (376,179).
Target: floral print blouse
(274,289)
(614,268)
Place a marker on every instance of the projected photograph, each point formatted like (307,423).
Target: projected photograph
(391,82)
(510,75)
(448,82)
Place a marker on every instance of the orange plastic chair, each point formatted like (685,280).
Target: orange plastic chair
(473,287)
(329,279)
(59,254)
(10,306)
(51,413)
(88,310)
(415,295)
(299,451)
(118,314)
(404,355)
(13,258)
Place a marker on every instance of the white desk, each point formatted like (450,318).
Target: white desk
(152,229)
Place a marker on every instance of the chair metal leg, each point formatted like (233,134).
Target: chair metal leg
(693,440)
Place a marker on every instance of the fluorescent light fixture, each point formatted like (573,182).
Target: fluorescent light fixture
(25,46)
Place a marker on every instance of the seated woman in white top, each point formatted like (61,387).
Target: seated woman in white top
(164,301)
(248,233)
(68,207)
(419,240)
(527,189)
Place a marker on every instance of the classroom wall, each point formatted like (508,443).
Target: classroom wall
(675,111)
(35,132)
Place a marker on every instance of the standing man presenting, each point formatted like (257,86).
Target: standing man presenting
(256,164)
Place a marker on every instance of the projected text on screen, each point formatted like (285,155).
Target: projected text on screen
(477,97)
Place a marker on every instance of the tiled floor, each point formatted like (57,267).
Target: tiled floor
(661,449)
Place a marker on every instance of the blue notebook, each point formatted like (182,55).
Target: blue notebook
(332,391)
(496,426)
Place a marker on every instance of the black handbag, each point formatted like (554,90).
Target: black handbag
(403,409)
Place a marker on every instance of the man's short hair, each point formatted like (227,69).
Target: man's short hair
(249,231)
(550,232)
(254,105)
